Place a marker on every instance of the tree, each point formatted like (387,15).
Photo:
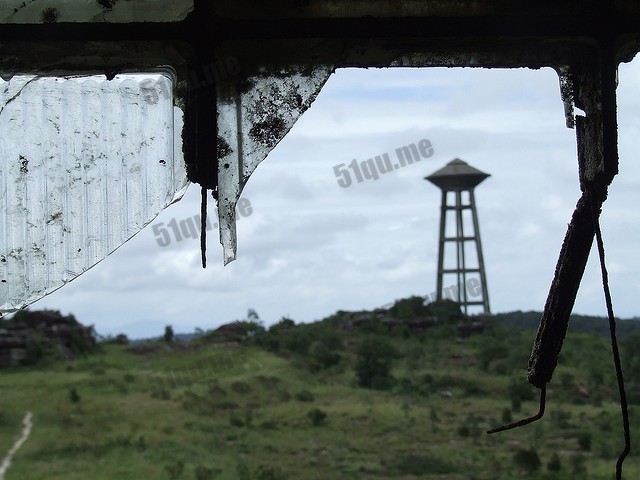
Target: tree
(253,325)
(409,308)
(168,334)
(322,356)
(373,365)
(446,310)
(285,323)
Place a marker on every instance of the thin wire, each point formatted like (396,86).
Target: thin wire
(203,227)
(614,350)
(525,421)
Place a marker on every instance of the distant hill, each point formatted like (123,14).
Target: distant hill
(577,323)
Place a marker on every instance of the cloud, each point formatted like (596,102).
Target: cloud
(311,247)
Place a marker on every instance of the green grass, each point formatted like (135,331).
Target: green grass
(232,408)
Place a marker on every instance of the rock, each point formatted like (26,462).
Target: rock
(423,324)
(470,328)
(28,335)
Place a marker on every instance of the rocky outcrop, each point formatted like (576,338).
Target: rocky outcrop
(350,320)
(31,336)
(473,326)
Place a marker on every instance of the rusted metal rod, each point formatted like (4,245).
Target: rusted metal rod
(564,288)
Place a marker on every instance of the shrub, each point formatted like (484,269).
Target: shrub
(506,416)
(269,473)
(174,471)
(141,446)
(297,340)
(446,310)
(490,350)
(82,342)
(317,417)
(305,396)
(272,339)
(382,382)
(409,308)
(409,386)
(421,464)
(322,356)
(554,464)
(567,380)
(248,417)
(39,350)
(241,387)
(204,473)
(472,388)
(433,415)
(527,460)
(284,324)
(521,389)
(471,427)
(235,420)
(584,440)
(242,469)
(561,418)
(516,404)
(578,466)
(284,396)
(216,390)
(269,425)
(74,397)
(373,365)
(268,381)
(161,393)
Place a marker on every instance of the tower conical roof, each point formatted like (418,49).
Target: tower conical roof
(457,175)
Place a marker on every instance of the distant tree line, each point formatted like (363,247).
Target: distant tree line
(577,323)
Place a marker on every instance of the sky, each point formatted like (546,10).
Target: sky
(308,247)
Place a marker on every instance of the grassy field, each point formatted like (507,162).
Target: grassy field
(230,411)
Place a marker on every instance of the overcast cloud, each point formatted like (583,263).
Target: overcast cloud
(310,247)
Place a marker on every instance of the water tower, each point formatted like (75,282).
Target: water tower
(459,240)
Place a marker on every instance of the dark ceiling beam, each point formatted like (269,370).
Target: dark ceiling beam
(589,26)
